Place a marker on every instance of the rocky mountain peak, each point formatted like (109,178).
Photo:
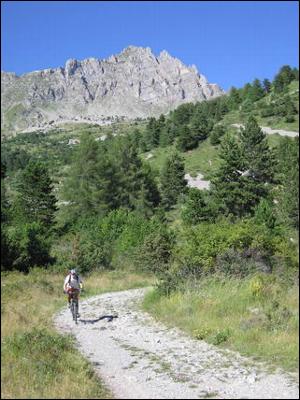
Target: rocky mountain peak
(132,84)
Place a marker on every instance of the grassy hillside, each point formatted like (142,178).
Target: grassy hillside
(204,159)
(274,122)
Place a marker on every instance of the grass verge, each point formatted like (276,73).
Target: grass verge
(256,317)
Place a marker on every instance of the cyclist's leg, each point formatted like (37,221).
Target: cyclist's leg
(69,299)
(77,302)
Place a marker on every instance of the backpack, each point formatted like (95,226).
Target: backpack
(76,276)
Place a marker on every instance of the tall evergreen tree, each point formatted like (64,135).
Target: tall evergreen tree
(182,114)
(216,135)
(259,159)
(136,138)
(246,91)
(227,184)
(149,188)
(197,207)
(137,187)
(222,108)
(257,91)
(267,85)
(168,133)
(200,125)
(172,182)
(4,204)
(283,78)
(152,132)
(296,74)
(234,98)
(5,245)
(186,139)
(90,187)
(288,177)
(130,174)
(246,171)
(35,201)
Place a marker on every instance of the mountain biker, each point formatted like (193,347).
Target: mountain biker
(72,286)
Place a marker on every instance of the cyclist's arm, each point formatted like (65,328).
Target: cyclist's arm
(66,283)
(80,283)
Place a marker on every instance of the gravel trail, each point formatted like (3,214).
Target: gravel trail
(270,131)
(139,358)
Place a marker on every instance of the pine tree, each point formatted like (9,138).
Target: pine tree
(168,133)
(296,74)
(227,184)
(216,135)
(246,172)
(197,207)
(283,78)
(6,250)
(152,132)
(91,182)
(35,201)
(246,91)
(129,172)
(149,188)
(136,138)
(288,177)
(4,204)
(172,182)
(264,214)
(137,187)
(186,140)
(234,98)
(182,114)
(257,91)
(200,125)
(259,160)
(267,85)
(222,108)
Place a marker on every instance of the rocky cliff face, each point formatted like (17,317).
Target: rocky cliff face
(132,84)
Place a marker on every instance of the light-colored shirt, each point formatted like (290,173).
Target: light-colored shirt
(72,281)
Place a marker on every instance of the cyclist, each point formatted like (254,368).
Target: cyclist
(72,286)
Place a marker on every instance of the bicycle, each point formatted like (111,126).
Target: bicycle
(74,293)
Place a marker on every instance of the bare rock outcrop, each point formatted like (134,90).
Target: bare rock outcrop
(132,84)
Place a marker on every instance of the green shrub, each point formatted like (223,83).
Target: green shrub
(202,333)
(289,118)
(31,246)
(155,252)
(239,249)
(117,241)
(220,336)
(240,263)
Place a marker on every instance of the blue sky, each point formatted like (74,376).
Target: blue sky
(230,42)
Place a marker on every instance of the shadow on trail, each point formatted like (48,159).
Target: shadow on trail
(93,321)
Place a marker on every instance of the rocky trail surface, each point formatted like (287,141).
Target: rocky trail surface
(270,131)
(139,358)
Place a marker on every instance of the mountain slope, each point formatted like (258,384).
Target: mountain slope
(132,84)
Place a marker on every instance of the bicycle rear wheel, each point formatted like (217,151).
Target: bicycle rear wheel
(73,310)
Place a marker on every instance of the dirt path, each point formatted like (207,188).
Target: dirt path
(139,358)
(271,131)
